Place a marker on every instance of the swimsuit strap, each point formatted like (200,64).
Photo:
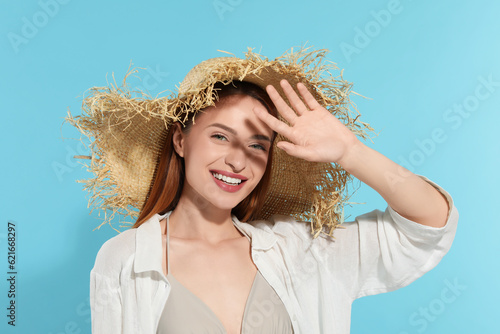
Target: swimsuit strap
(168,252)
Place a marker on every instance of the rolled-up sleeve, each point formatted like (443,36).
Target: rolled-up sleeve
(388,251)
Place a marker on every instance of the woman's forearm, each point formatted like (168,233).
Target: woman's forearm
(408,194)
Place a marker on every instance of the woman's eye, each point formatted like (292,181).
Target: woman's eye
(259,147)
(219,136)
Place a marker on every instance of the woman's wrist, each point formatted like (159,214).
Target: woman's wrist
(353,155)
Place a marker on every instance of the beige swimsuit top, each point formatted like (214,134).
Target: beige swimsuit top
(185,313)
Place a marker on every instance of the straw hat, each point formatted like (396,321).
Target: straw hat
(127,130)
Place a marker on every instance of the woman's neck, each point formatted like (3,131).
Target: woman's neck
(209,224)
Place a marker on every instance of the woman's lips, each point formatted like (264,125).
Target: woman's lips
(229,174)
(226,186)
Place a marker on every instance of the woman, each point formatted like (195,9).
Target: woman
(190,265)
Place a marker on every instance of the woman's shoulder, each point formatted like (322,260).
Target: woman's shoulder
(287,229)
(298,234)
(276,224)
(288,225)
(115,252)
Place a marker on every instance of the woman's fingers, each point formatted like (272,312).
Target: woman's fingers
(281,105)
(312,103)
(299,108)
(297,104)
(274,123)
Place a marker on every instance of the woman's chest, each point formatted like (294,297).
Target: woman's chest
(220,277)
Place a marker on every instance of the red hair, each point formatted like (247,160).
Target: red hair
(168,180)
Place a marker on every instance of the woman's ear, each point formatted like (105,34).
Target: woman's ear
(178,139)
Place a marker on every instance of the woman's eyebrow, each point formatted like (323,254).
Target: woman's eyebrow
(225,127)
(261,137)
(232,131)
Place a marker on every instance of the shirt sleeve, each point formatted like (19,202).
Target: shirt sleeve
(105,304)
(383,251)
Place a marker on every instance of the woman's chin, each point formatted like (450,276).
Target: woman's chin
(226,205)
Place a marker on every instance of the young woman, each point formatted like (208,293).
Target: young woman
(211,251)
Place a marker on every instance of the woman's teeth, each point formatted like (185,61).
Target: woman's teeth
(229,180)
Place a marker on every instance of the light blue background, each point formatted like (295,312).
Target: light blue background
(416,65)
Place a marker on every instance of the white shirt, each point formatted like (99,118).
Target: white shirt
(317,279)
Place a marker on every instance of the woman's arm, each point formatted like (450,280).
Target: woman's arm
(316,135)
(405,192)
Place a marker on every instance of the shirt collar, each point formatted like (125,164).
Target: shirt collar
(149,250)
(148,246)
(261,238)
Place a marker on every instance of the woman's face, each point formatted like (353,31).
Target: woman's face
(225,152)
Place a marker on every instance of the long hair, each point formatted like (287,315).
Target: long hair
(168,180)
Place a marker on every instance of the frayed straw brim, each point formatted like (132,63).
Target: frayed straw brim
(128,128)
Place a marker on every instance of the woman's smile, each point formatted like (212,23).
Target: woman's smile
(227,181)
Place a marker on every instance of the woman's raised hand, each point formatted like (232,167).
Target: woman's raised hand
(314,133)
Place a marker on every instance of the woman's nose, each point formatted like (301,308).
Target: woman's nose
(236,159)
